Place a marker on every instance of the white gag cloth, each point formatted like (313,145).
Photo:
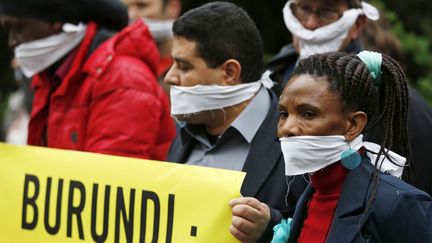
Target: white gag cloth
(384,164)
(193,99)
(307,154)
(327,38)
(161,30)
(35,56)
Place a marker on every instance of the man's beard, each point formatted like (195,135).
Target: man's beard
(201,116)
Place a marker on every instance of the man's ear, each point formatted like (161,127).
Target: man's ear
(359,26)
(355,125)
(232,72)
(173,9)
(57,27)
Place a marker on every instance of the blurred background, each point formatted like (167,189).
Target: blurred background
(405,33)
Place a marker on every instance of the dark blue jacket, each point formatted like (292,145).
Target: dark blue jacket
(399,212)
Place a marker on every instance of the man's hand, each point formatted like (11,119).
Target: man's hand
(250,219)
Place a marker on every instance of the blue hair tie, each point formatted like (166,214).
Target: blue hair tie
(373,62)
(282,231)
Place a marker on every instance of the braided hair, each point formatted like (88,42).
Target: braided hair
(354,3)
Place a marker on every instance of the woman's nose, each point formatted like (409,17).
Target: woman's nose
(288,127)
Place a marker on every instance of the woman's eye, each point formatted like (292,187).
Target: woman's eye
(283,114)
(308,114)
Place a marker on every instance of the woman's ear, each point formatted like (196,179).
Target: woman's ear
(173,9)
(232,72)
(359,26)
(356,123)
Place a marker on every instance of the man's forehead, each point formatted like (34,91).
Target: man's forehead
(10,20)
(140,1)
(325,3)
(184,46)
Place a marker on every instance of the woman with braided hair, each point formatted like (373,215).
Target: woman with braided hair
(355,192)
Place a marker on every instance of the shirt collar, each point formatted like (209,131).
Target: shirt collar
(250,120)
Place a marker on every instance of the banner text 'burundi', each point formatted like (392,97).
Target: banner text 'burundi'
(50,195)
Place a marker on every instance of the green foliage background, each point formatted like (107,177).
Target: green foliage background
(412,24)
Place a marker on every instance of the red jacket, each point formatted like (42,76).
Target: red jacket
(109,102)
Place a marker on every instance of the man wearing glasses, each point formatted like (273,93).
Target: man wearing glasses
(319,26)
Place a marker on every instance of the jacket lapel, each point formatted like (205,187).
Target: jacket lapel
(350,217)
(300,213)
(264,152)
(180,147)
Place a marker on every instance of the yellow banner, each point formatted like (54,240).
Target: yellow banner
(50,195)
